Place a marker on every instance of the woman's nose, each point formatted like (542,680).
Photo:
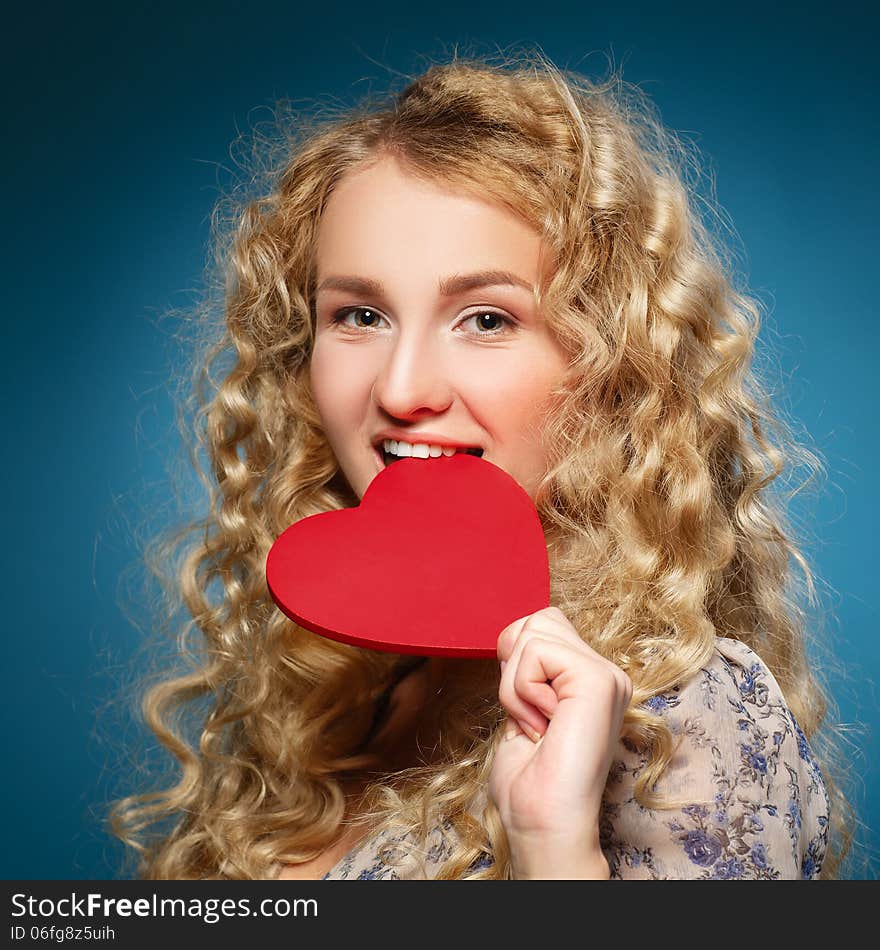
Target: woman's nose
(412,381)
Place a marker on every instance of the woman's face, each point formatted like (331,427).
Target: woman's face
(427,330)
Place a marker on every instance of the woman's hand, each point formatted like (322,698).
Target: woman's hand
(565,706)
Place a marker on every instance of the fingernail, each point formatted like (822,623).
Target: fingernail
(533,734)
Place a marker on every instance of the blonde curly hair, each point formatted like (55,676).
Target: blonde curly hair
(660,525)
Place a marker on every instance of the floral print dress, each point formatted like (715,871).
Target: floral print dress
(757,807)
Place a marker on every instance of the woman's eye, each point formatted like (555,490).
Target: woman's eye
(483,323)
(489,323)
(363,318)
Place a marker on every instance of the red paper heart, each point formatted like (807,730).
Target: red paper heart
(439,557)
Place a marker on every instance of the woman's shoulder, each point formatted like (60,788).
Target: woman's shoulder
(735,690)
(734,678)
(753,800)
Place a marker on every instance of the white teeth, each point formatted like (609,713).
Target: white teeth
(419,450)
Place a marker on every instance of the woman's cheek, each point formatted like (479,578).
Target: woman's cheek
(339,382)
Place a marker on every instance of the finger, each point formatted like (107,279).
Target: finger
(508,637)
(530,704)
(550,622)
(539,663)
(541,695)
(531,719)
(529,699)
(513,729)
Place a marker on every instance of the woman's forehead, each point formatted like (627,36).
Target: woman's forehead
(382,219)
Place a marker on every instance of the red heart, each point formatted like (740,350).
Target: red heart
(440,556)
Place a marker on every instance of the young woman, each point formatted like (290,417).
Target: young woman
(502,258)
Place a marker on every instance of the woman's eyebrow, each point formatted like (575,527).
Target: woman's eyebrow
(448,287)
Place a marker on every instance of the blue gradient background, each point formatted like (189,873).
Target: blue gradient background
(118,131)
